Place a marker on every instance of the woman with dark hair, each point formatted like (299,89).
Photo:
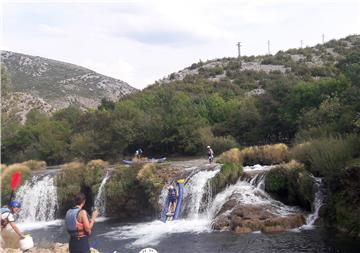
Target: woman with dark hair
(79,226)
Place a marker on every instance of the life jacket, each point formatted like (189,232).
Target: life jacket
(210,152)
(172,192)
(5,221)
(74,228)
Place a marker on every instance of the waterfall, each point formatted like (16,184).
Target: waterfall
(198,189)
(319,197)
(38,197)
(100,199)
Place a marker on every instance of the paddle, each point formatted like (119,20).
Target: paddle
(15,182)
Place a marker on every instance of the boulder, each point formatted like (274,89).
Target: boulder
(248,218)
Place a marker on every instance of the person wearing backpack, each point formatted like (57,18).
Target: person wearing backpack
(7,217)
(79,226)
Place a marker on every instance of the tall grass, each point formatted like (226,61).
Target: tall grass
(6,176)
(327,156)
(231,156)
(35,165)
(267,154)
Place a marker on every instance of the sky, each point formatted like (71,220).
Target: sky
(142,41)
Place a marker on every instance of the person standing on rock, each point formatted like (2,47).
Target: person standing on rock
(79,226)
(7,217)
(172,196)
(210,154)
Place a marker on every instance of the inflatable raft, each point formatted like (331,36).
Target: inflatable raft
(180,193)
(161,160)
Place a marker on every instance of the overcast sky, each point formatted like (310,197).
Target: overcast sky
(142,41)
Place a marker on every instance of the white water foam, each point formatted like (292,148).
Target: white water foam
(258,167)
(246,193)
(38,197)
(100,199)
(310,220)
(28,226)
(196,188)
(151,233)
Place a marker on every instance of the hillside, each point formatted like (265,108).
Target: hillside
(289,97)
(248,72)
(57,84)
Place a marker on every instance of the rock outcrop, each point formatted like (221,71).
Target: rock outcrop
(248,218)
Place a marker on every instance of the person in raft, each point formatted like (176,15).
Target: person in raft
(79,226)
(7,217)
(210,154)
(172,195)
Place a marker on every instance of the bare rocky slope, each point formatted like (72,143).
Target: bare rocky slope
(49,85)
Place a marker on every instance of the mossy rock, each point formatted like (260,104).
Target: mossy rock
(291,184)
(78,177)
(229,174)
(133,191)
(343,209)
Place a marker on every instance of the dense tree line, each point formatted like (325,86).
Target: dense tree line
(182,117)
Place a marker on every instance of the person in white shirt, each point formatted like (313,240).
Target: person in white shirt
(7,217)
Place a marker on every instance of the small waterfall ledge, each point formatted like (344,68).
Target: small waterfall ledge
(39,199)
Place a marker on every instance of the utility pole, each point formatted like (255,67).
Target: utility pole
(269,47)
(301,43)
(323,38)
(239,52)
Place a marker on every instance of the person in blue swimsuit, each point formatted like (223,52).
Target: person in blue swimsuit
(172,195)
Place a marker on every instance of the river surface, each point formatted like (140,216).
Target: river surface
(112,235)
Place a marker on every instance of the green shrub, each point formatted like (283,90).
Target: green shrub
(342,210)
(229,174)
(218,144)
(77,177)
(6,177)
(291,184)
(133,191)
(327,156)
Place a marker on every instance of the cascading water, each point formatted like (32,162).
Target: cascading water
(100,199)
(150,233)
(39,199)
(196,188)
(198,214)
(319,197)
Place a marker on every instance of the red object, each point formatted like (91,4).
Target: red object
(15,180)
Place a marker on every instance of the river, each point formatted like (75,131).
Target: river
(111,235)
(192,233)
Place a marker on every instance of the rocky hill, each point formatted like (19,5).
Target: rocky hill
(49,85)
(250,72)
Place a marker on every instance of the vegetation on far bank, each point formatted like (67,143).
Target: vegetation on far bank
(184,116)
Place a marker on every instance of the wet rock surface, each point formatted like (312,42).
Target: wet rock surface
(248,218)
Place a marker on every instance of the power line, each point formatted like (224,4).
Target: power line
(239,52)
